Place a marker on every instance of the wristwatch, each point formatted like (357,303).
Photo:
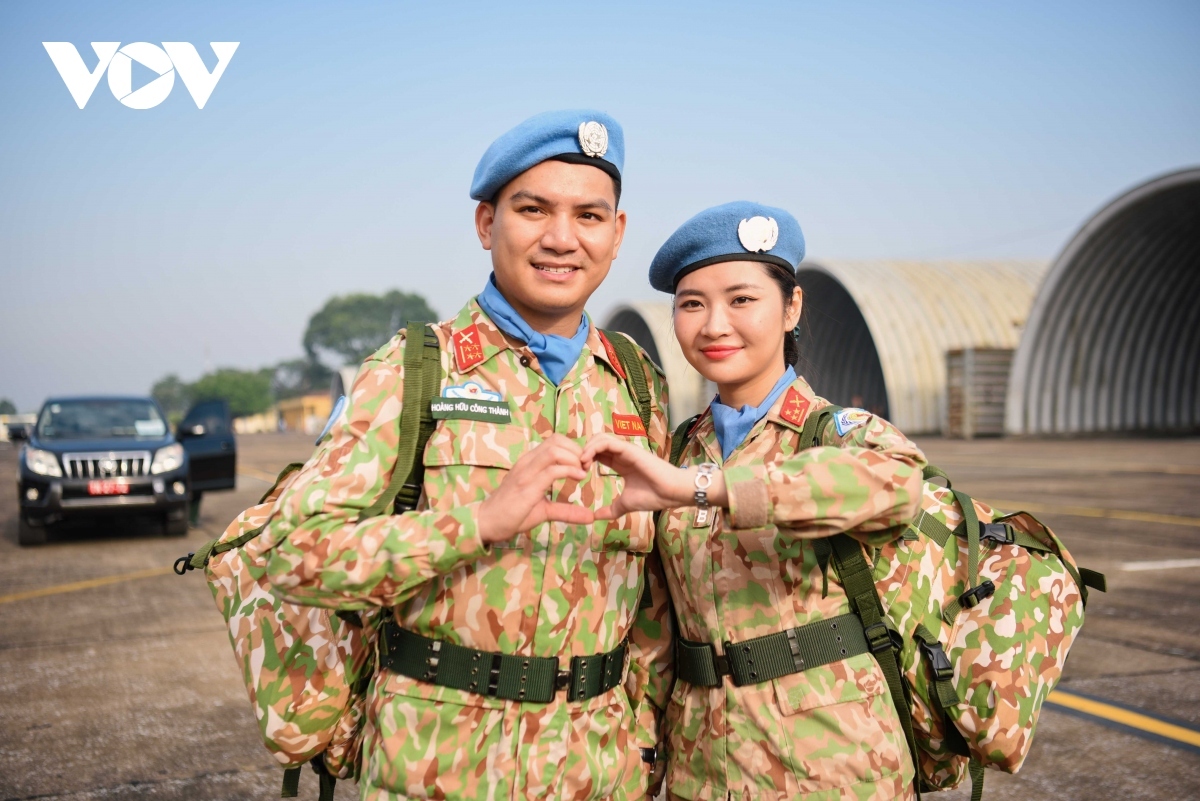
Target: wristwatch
(704,479)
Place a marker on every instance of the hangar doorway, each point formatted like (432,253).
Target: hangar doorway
(1113,340)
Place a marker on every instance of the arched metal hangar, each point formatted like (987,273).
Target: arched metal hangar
(1113,339)
(875,334)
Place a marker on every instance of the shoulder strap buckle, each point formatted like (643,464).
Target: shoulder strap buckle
(977,595)
(997,532)
(881,638)
(939,663)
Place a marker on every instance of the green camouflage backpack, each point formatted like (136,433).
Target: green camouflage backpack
(970,614)
(307,669)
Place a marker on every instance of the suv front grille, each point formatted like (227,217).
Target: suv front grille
(109,464)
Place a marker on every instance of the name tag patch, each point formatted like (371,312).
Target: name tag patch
(485,411)
(628,425)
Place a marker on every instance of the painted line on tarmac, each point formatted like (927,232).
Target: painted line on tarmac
(1163,564)
(257,475)
(1134,721)
(87,584)
(1076,469)
(1091,511)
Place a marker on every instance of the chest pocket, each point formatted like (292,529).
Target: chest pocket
(465,460)
(631,532)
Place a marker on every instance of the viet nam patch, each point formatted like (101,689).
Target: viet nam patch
(486,411)
(471,390)
(849,419)
(628,425)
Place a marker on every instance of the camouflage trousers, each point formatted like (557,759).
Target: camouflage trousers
(428,742)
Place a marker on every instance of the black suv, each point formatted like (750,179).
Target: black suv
(115,455)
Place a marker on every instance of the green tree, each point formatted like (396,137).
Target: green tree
(7,406)
(296,377)
(348,328)
(173,395)
(246,391)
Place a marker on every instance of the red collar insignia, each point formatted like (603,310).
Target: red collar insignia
(795,407)
(468,350)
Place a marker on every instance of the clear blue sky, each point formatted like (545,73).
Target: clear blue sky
(336,152)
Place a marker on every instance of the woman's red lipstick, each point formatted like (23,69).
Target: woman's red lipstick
(718,352)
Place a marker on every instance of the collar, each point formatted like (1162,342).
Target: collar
(790,410)
(475,339)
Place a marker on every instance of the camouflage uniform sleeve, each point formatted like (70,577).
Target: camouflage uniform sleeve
(651,641)
(866,483)
(325,555)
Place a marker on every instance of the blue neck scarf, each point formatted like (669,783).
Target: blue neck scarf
(733,425)
(557,355)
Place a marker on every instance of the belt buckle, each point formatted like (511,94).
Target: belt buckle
(431,661)
(493,686)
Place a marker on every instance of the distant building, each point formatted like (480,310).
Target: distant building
(307,413)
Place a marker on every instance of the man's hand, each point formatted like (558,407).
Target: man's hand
(520,502)
(651,483)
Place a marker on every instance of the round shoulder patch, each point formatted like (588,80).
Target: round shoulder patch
(758,234)
(593,139)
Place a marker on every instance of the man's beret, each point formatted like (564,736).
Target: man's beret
(738,231)
(578,136)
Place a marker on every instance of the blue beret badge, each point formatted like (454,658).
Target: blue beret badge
(758,234)
(593,139)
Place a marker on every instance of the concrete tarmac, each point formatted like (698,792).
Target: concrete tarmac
(127,688)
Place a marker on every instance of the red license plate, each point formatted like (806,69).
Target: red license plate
(108,488)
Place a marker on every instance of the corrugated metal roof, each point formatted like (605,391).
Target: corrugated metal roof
(917,311)
(913,311)
(1113,342)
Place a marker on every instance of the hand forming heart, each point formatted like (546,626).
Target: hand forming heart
(651,484)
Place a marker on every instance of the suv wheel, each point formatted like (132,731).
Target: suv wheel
(175,528)
(29,534)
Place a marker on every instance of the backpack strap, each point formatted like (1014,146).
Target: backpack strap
(679,439)
(422,375)
(858,580)
(291,780)
(633,364)
(814,426)
(198,560)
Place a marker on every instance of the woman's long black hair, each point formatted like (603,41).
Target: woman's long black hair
(786,279)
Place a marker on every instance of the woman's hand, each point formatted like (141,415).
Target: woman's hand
(520,502)
(651,483)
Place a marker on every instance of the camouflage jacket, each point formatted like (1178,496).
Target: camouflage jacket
(830,731)
(555,591)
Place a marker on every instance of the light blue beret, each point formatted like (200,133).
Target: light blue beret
(578,136)
(738,231)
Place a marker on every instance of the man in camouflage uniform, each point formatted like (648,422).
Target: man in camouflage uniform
(502,568)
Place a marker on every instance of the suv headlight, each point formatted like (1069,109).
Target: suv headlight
(44,463)
(167,459)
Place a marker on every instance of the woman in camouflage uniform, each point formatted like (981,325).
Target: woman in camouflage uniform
(777,693)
